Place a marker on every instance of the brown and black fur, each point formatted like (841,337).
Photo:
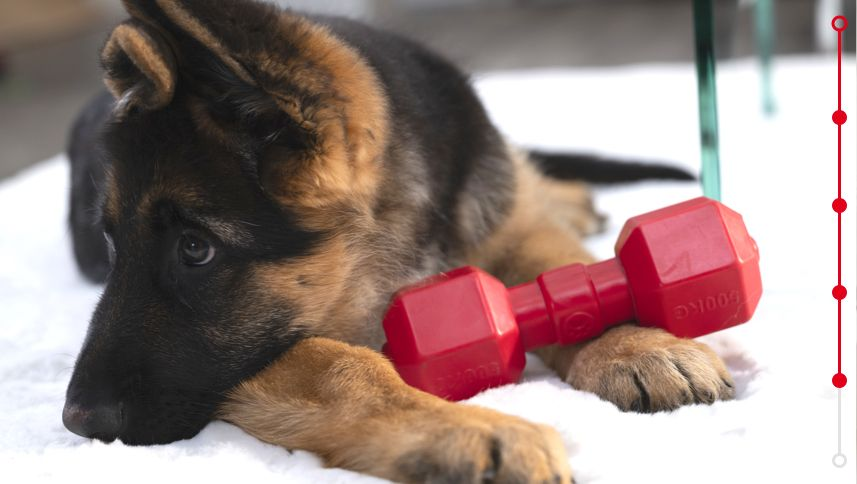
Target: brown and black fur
(327,164)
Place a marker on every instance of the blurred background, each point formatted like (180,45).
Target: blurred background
(49,48)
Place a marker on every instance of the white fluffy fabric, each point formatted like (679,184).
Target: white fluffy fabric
(780,173)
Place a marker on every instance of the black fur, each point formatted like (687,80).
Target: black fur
(596,169)
(150,343)
(87,175)
(167,340)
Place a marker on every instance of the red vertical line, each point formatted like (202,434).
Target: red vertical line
(839,69)
(839,195)
(839,107)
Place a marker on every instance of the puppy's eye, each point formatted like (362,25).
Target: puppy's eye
(195,251)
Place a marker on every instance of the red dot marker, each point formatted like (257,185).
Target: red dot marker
(839,205)
(839,380)
(839,292)
(839,117)
(839,23)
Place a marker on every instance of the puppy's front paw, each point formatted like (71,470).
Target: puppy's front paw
(481,446)
(650,370)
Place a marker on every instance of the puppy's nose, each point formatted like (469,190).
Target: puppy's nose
(101,421)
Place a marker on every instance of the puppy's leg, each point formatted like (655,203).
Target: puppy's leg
(641,369)
(571,205)
(348,405)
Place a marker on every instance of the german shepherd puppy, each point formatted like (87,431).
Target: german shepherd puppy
(262,182)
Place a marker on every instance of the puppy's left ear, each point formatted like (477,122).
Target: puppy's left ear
(140,69)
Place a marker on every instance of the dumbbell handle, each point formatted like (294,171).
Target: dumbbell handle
(572,303)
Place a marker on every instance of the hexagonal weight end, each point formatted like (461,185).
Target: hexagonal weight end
(692,267)
(454,335)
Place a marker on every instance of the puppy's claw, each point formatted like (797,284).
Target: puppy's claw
(647,370)
(502,450)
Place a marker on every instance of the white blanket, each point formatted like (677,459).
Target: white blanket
(779,173)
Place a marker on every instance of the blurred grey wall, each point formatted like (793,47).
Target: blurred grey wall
(351,8)
(49,48)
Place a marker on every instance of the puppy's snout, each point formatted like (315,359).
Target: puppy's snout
(101,421)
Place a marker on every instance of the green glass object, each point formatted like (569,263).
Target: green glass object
(765,44)
(703,23)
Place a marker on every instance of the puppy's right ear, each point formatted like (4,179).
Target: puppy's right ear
(139,67)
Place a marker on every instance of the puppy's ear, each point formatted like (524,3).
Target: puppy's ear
(314,101)
(139,67)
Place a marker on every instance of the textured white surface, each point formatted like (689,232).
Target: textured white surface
(779,173)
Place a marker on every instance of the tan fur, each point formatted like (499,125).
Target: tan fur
(645,369)
(206,125)
(352,121)
(189,24)
(535,235)
(340,288)
(166,188)
(135,12)
(571,204)
(636,368)
(349,406)
(346,403)
(349,118)
(113,203)
(145,53)
(316,285)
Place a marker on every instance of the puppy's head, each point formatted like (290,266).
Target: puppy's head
(243,142)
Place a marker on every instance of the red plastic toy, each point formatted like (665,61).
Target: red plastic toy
(691,269)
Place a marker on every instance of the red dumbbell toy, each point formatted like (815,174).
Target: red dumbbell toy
(691,269)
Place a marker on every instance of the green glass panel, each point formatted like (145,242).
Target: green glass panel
(765,45)
(703,23)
